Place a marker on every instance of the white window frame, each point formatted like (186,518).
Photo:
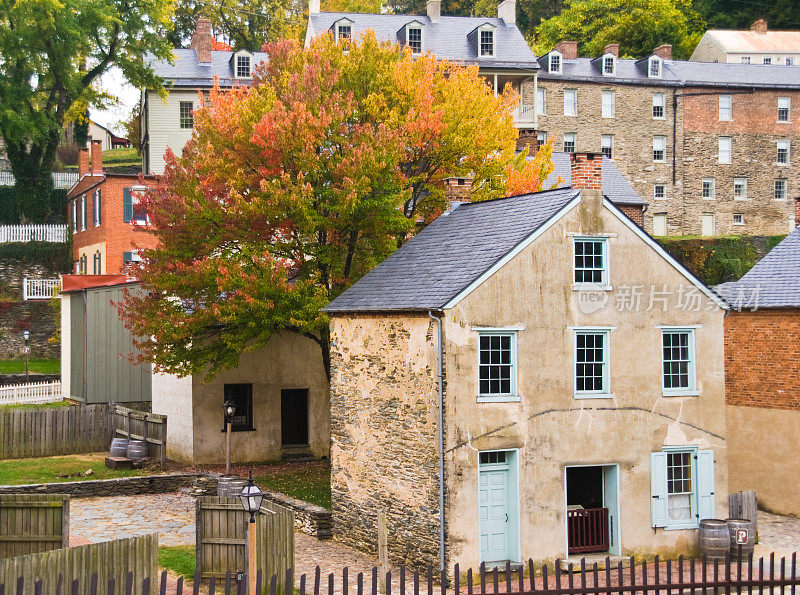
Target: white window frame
(741,182)
(541,101)
(83,212)
(481,31)
(659,63)
(660,140)
(780,183)
(416,26)
(574,137)
(96,207)
(541,137)
(605,283)
(693,452)
(605,391)
(240,56)
(135,191)
(513,395)
(741,219)
(608,103)
(660,97)
(605,61)
(607,142)
(74,216)
(341,24)
(783,145)
(724,154)
(767,60)
(789,61)
(785,103)
(691,390)
(573,105)
(712,182)
(725,108)
(655,191)
(188,119)
(555,66)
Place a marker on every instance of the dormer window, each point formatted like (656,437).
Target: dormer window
(486,42)
(555,63)
(609,65)
(654,67)
(414,39)
(343,29)
(243,67)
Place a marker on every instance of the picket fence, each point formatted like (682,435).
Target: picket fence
(61,179)
(32,393)
(38,232)
(39,289)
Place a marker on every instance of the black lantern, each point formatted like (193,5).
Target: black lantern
(230,409)
(251,497)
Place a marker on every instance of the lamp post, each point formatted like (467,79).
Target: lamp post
(251,497)
(26,335)
(230,408)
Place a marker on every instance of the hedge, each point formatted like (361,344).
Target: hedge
(53,212)
(720,259)
(56,258)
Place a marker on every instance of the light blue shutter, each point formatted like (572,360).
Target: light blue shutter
(705,485)
(127,205)
(658,489)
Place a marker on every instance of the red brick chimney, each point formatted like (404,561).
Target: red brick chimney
(97,156)
(567,49)
(613,49)
(760,26)
(664,51)
(797,212)
(202,40)
(83,162)
(585,170)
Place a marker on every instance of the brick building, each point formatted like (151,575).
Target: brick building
(762,357)
(106,215)
(710,146)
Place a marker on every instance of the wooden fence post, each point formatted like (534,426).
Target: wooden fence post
(164,442)
(383,550)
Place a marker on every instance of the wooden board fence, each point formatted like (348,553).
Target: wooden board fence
(275,544)
(139,425)
(46,432)
(744,505)
(33,523)
(107,560)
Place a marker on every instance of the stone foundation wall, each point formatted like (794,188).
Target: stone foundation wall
(308,518)
(199,484)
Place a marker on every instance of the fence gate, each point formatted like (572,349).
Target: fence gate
(33,523)
(140,425)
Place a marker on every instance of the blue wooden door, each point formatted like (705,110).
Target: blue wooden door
(494,512)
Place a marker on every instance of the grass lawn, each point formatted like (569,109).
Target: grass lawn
(306,481)
(36,365)
(118,157)
(180,559)
(54,469)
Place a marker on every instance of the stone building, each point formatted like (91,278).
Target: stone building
(710,147)
(483,397)
(759,45)
(762,356)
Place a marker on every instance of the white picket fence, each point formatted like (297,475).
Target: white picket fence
(39,232)
(31,393)
(61,179)
(39,289)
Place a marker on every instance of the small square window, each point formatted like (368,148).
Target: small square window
(590,265)
(608,65)
(678,361)
(659,149)
(738,219)
(745,59)
(591,363)
(659,191)
(415,40)
(497,375)
(186,113)
(789,61)
(709,188)
(569,142)
(767,60)
(740,188)
(487,42)
(242,397)
(344,32)
(780,190)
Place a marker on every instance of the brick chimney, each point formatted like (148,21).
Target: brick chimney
(585,170)
(760,26)
(797,212)
(435,10)
(97,156)
(202,40)
(507,10)
(613,49)
(664,51)
(567,49)
(83,162)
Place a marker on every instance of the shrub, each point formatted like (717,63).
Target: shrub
(55,211)
(56,258)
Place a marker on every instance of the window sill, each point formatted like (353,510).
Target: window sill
(594,395)
(682,393)
(590,287)
(684,527)
(499,399)
(234,430)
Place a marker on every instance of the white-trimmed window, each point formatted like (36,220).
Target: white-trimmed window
(96,208)
(569,142)
(679,375)
(738,218)
(414,39)
(780,189)
(789,61)
(244,67)
(555,62)
(724,146)
(592,362)
(658,106)
(541,101)
(784,109)
(682,487)
(782,152)
(659,149)
(486,42)
(609,65)
(75,216)
(344,30)
(725,108)
(497,365)
(83,212)
(570,102)
(767,60)
(608,104)
(132,256)
(541,138)
(607,145)
(186,114)
(590,264)
(659,191)
(740,188)
(745,59)
(709,188)
(654,67)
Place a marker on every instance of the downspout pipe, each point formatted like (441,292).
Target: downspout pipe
(440,357)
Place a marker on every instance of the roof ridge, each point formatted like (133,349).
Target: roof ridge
(490,200)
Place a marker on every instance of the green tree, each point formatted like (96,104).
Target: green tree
(81,127)
(51,56)
(132,126)
(736,14)
(637,26)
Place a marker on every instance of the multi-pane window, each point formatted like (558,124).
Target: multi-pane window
(74,216)
(725,107)
(569,142)
(659,148)
(740,188)
(138,208)
(784,108)
(680,490)
(780,190)
(83,212)
(570,102)
(590,261)
(496,365)
(783,152)
(608,104)
(555,62)
(495,457)
(738,218)
(186,113)
(659,191)
(678,360)
(487,42)
(415,40)
(541,138)
(591,362)
(681,487)
(767,60)
(745,59)
(96,208)
(243,67)
(724,153)
(344,32)
(607,145)
(709,188)
(608,65)
(541,101)
(242,397)
(654,71)
(658,106)
(789,61)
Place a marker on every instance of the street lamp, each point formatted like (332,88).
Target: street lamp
(251,497)
(229,408)
(26,335)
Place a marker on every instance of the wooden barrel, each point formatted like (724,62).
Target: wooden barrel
(119,447)
(230,486)
(137,450)
(715,539)
(747,548)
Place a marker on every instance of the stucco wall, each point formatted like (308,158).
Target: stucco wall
(172,396)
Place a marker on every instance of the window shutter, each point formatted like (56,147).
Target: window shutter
(127,205)
(99,208)
(127,257)
(705,485)
(658,489)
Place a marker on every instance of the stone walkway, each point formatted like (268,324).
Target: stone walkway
(780,534)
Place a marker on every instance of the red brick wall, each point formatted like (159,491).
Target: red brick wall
(636,213)
(797,212)
(752,113)
(586,170)
(762,358)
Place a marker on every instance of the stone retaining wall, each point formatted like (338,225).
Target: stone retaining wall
(201,485)
(308,518)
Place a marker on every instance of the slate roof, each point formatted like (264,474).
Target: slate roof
(678,73)
(774,282)
(450,253)
(447,39)
(613,183)
(750,41)
(188,72)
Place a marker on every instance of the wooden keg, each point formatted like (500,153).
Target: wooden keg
(119,448)
(734,525)
(715,539)
(137,450)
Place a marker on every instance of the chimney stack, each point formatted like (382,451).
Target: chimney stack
(797,212)
(613,49)
(83,162)
(435,10)
(97,156)
(567,49)
(313,6)
(664,51)
(202,40)
(507,10)
(585,170)
(760,26)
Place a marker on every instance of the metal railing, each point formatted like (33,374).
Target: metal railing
(33,233)
(39,289)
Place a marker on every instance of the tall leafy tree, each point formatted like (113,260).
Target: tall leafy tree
(51,56)
(739,14)
(292,189)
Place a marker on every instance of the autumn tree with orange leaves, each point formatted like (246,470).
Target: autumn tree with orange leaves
(292,189)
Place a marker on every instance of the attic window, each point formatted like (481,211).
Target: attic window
(609,65)
(486,42)
(654,67)
(415,39)
(243,68)
(555,62)
(344,31)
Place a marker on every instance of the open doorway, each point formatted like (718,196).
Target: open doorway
(294,417)
(592,509)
